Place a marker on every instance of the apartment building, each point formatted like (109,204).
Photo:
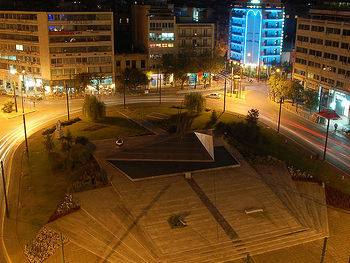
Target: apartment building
(53,47)
(322,57)
(153,31)
(256,33)
(199,36)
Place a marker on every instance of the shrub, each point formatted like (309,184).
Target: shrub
(213,116)
(81,140)
(48,142)
(172,128)
(93,108)
(336,198)
(252,116)
(70,122)
(175,222)
(8,106)
(92,178)
(49,131)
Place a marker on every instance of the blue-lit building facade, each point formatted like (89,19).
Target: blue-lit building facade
(256,33)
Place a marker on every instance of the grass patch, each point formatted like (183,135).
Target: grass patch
(114,126)
(299,159)
(41,190)
(201,122)
(44,178)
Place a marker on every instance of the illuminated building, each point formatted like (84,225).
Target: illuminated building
(256,33)
(322,58)
(153,31)
(53,47)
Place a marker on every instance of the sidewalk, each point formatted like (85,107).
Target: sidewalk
(305,113)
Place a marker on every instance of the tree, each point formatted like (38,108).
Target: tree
(48,142)
(210,62)
(133,78)
(8,106)
(66,146)
(275,83)
(310,98)
(93,108)
(178,66)
(287,68)
(194,103)
(82,80)
(252,116)
(292,89)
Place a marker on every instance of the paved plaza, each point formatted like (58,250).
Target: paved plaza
(228,212)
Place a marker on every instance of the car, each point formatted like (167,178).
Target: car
(119,142)
(214,96)
(216,78)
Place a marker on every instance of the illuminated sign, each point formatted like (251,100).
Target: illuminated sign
(255,1)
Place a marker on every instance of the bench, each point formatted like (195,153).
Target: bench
(253,210)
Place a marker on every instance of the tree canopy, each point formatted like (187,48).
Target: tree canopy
(133,78)
(82,80)
(310,98)
(93,108)
(194,103)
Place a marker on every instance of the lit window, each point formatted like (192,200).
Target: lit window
(19,47)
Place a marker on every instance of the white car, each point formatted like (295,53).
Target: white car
(214,96)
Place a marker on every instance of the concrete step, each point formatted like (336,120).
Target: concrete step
(74,226)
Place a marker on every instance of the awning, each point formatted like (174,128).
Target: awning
(328,114)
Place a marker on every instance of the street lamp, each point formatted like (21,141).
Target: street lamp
(13,71)
(329,115)
(24,118)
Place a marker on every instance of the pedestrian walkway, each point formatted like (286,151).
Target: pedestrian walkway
(213,210)
(143,123)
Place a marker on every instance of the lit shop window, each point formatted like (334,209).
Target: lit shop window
(161,45)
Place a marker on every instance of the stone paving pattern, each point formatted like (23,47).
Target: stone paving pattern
(128,221)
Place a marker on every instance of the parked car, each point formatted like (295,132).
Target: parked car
(214,96)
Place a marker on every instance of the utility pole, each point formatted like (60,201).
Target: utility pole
(160,88)
(24,118)
(67,101)
(4,185)
(124,95)
(325,145)
(279,116)
(62,249)
(324,249)
(225,95)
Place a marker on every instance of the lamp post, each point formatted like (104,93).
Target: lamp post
(279,115)
(225,96)
(14,88)
(329,115)
(24,118)
(125,80)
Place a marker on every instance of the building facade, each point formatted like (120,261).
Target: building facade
(256,33)
(52,48)
(153,31)
(198,36)
(322,57)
